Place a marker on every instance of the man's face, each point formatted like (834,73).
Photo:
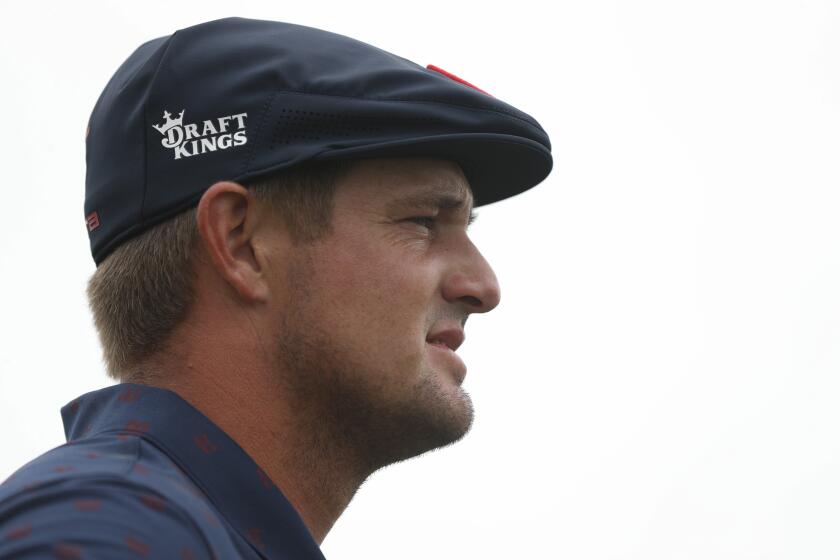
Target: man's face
(361,304)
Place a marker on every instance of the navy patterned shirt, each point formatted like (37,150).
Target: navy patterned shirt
(144,474)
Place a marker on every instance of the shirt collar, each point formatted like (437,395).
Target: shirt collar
(233,482)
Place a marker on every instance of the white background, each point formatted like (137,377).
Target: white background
(660,380)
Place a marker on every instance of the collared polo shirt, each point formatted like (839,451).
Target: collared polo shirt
(144,474)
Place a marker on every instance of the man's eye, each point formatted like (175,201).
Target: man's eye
(427,221)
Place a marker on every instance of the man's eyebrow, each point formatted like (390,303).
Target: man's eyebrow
(434,199)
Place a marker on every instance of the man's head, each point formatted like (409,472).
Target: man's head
(333,291)
(345,317)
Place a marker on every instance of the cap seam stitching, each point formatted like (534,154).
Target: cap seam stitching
(255,136)
(145,125)
(496,111)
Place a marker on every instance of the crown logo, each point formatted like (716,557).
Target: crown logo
(170,122)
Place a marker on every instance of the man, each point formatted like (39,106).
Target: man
(279,216)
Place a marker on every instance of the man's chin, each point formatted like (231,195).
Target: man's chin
(444,415)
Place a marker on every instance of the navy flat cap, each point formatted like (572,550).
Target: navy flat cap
(236,99)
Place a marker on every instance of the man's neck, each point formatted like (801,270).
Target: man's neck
(317,478)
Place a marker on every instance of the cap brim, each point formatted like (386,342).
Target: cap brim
(497,166)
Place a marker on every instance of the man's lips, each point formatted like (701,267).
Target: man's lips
(443,343)
(444,352)
(452,338)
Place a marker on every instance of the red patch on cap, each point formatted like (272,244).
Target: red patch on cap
(452,76)
(92,222)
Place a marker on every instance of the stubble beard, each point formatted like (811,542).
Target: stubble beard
(349,415)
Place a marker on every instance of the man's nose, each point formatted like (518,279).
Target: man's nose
(472,282)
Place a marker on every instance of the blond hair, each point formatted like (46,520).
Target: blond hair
(143,290)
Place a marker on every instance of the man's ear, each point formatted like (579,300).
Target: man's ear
(227,222)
